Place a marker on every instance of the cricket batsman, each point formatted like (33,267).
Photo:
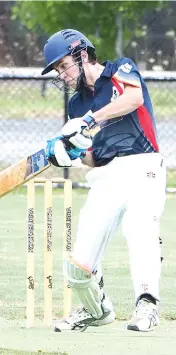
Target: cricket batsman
(111,128)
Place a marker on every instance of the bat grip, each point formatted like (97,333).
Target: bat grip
(90,132)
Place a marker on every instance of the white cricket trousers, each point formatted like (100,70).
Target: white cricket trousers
(131,189)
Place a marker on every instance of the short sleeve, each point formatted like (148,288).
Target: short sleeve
(126,72)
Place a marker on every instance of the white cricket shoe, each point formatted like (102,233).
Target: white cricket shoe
(80,319)
(145,317)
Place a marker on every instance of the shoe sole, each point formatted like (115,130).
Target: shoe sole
(136,329)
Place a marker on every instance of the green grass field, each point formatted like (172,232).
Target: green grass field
(16,340)
(23,99)
(163,99)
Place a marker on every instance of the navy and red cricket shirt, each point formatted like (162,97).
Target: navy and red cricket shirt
(130,134)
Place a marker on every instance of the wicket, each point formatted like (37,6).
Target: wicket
(48,185)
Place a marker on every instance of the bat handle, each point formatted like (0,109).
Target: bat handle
(86,132)
(90,133)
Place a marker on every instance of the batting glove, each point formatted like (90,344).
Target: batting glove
(60,152)
(73,131)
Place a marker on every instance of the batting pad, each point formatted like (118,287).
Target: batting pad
(85,286)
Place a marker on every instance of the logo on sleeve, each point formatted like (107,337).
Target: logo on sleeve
(126,67)
(115,93)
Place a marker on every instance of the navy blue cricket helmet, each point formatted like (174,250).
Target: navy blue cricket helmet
(63,43)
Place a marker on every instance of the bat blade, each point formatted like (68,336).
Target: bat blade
(24,170)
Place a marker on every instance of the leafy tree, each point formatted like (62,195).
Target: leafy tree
(18,45)
(99,20)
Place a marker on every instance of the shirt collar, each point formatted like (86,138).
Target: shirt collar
(107,72)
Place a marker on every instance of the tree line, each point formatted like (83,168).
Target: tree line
(131,28)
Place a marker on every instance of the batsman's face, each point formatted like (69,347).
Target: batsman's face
(68,71)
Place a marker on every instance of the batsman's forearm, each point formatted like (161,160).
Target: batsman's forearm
(128,102)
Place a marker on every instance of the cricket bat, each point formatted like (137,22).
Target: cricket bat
(24,170)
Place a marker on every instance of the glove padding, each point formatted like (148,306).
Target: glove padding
(60,152)
(73,131)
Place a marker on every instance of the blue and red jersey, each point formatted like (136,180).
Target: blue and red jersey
(130,134)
